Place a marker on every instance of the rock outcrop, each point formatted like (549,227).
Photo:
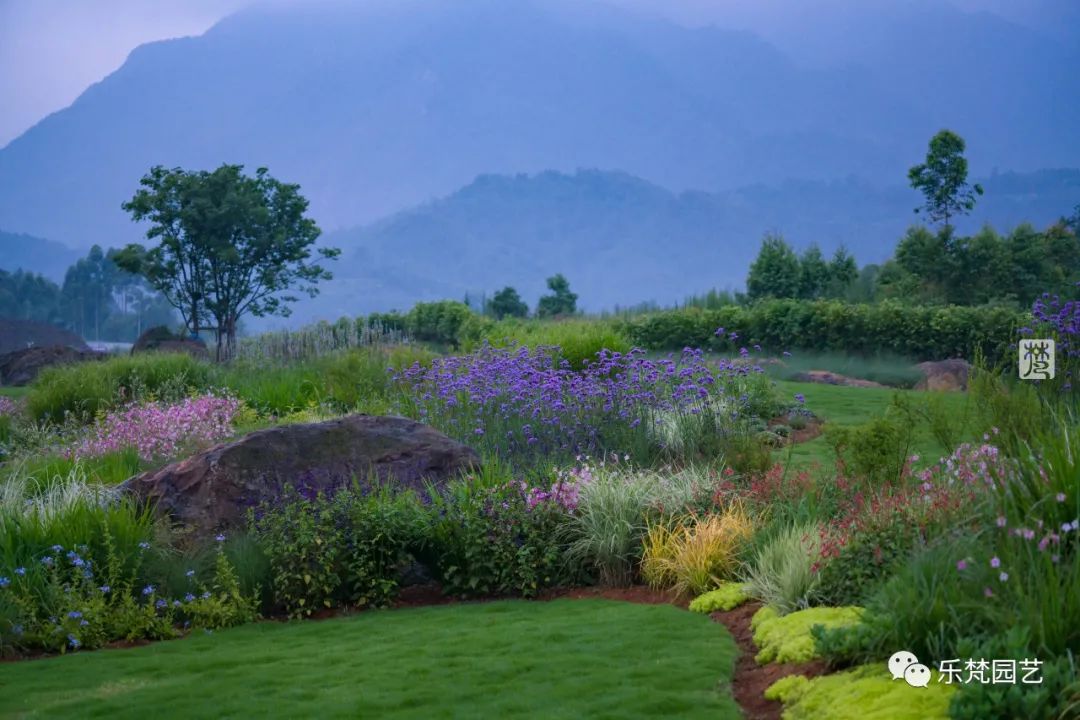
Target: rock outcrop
(22,366)
(161,339)
(215,488)
(944,375)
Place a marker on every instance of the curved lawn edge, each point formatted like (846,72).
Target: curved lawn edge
(505,658)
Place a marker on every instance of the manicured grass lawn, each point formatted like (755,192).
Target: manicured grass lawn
(854,405)
(14,391)
(558,659)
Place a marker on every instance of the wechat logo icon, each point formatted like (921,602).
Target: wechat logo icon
(904,665)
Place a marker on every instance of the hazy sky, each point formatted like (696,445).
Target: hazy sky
(52,50)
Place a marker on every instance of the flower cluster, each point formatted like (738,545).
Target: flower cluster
(8,406)
(531,399)
(155,430)
(1061,320)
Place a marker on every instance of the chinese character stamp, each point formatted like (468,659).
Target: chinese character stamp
(1036,360)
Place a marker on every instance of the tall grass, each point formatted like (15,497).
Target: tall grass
(35,516)
(578,340)
(315,341)
(615,510)
(781,573)
(86,389)
(695,553)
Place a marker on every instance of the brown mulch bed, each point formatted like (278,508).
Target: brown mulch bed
(751,680)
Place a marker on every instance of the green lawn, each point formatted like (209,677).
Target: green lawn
(854,405)
(559,659)
(14,391)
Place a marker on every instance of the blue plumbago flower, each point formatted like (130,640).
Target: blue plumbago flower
(47,561)
(74,642)
(84,623)
(20,571)
(161,603)
(144,545)
(17,629)
(104,589)
(220,537)
(800,398)
(206,596)
(189,597)
(74,614)
(4,582)
(190,573)
(148,590)
(176,603)
(58,548)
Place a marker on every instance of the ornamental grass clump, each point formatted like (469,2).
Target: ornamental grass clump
(159,431)
(695,553)
(530,403)
(781,574)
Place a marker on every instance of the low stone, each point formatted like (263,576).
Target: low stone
(22,366)
(161,339)
(214,489)
(949,375)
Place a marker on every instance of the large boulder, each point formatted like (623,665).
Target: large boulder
(944,375)
(214,489)
(22,366)
(21,334)
(161,339)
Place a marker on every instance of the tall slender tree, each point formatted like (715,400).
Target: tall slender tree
(942,179)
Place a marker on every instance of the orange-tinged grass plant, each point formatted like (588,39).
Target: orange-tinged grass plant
(695,553)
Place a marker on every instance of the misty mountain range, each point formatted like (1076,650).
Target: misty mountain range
(379,108)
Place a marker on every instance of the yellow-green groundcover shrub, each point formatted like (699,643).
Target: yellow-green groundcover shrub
(787,638)
(864,693)
(727,596)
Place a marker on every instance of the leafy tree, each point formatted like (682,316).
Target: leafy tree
(843,272)
(775,272)
(813,273)
(942,179)
(1073,222)
(29,296)
(560,302)
(229,245)
(86,297)
(507,303)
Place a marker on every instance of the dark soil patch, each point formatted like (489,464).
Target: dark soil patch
(751,680)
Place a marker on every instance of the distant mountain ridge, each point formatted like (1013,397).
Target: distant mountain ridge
(34,254)
(379,107)
(622,240)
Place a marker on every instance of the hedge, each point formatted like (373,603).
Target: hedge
(922,332)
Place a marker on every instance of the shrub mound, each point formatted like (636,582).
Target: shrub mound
(865,693)
(728,596)
(788,638)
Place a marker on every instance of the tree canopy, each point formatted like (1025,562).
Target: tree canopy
(507,303)
(561,301)
(942,179)
(229,244)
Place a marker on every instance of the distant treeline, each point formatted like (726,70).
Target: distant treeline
(97,300)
